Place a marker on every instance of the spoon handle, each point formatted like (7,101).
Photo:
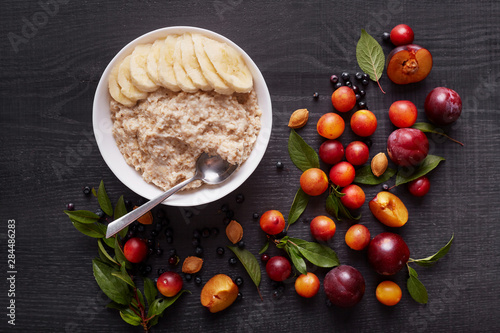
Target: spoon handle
(117,225)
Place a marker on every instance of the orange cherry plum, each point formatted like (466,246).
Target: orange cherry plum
(343,99)
(357,237)
(363,123)
(403,113)
(330,125)
(354,196)
(323,228)
(307,285)
(314,181)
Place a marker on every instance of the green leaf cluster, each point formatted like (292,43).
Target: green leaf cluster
(300,250)
(415,287)
(370,56)
(336,208)
(250,263)
(111,270)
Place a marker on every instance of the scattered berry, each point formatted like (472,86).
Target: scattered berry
(385,187)
(205,233)
(348,83)
(169,232)
(240,198)
(355,89)
(334,79)
(238,281)
(226,220)
(338,85)
(386,36)
(345,76)
(240,296)
(214,231)
(154,233)
(173,260)
(161,270)
(197,234)
(277,294)
(198,251)
(224,208)
(70,206)
(366,76)
(140,228)
(358,97)
(359,76)
(86,190)
(197,279)
(232,261)
(220,251)
(241,244)
(255,216)
(368,142)
(265,257)
(188,277)
(362,92)
(364,82)
(362,104)
(159,251)
(279,165)
(99,212)
(316,95)
(230,214)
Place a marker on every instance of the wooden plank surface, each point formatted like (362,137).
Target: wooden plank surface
(48,78)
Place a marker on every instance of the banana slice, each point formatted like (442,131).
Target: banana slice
(181,76)
(153,60)
(115,90)
(229,64)
(125,82)
(191,65)
(138,71)
(165,64)
(207,68)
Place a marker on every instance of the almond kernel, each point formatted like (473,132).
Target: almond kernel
(379,164)
(192,265)
(234,232)
(298,118)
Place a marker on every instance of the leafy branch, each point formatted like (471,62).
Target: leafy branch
(416,288)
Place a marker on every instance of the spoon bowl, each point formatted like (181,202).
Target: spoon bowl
(209,169)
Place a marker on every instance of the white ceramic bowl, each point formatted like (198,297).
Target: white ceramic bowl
(130,177)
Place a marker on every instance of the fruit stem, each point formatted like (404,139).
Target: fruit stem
(382,90)
(460,143)
(258,290)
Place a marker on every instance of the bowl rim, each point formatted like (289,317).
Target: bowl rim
(102,127)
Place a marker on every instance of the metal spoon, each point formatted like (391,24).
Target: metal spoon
(209,169)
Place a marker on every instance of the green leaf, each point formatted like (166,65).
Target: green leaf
(160,304)
(416,288)
(336,208)
(365,176)
(302,155)
(370,56)
(109,242)
(120,256)
(104,255)
(116,306)
(103,199)
(427,165)
(249,262)
(120,208)
(150,290)
(298,206)
(429,128)
(116,289)
(332,206)
(94,192)
(130,317)
(123,275)
(153,321)
(297,260)
(264,248)
(430,260)
(95,230)
(318,254)
(82,216)
(141,298)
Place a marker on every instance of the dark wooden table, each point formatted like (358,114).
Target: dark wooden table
(52,57)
